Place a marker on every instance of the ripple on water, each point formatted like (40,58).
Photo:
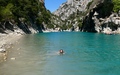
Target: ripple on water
(85,54)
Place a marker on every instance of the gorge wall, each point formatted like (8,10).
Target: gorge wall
(26,17)
(73,15)
(90,15)
(102,18)
(21,16)
(70,7)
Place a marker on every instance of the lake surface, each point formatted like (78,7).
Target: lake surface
(85,54)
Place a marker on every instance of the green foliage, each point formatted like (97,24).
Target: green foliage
(39,21)
(6,12)
(18,8)
(50,26)
(72,16)
(88,5)
(79,23)
(46,16)
(69,26)
(116,5)
(63,27)
(27,9)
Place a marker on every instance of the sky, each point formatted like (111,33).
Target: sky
(53,5)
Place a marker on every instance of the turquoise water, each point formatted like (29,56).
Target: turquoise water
(85,54)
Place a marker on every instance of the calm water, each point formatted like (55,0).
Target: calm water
(85,54)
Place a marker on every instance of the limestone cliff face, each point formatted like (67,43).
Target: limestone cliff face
(72,12)
(89,15)
(70,7)
(99,17)
(73,15)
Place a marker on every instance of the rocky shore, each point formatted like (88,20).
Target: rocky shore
(6,42)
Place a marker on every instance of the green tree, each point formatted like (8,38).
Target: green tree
(30,10)
(6,12)
(116,5)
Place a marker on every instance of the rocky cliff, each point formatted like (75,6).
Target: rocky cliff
(20,16)
(72,13)
(98,11)
(101,18)
(90,15)
(26,17)
(70,7)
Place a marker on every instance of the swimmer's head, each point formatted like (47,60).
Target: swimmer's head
(61,51)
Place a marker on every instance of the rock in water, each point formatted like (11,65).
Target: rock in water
(13,58)
(2,50)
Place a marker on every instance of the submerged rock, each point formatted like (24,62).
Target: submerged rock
(2,50)
(13,58)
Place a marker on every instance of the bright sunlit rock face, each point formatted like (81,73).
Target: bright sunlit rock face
(69,1)
(70,7)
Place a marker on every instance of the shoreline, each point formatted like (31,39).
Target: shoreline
(6,42)
(106,30)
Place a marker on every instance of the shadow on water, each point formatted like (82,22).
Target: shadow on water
(85,54)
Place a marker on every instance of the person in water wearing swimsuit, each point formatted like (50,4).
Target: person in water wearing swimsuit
(61,51)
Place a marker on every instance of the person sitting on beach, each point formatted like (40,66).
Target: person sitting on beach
(61,51)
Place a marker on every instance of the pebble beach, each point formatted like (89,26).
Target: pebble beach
(6,42)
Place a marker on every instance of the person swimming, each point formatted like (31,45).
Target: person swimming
(61,51)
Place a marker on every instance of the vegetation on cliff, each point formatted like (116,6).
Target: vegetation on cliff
(13,9)
(116,5)
(88,5)
(27,11)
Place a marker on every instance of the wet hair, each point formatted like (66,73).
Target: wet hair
(61,51)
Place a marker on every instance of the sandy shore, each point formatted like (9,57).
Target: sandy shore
(6,42)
